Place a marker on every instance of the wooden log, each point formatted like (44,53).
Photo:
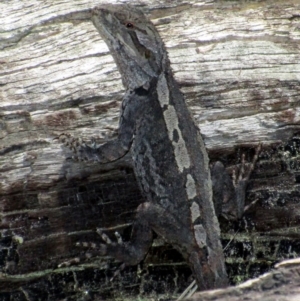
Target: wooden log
(238,66)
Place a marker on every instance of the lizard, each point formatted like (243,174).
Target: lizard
(169,157)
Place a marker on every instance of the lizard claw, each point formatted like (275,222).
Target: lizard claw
(245,169)
(108,240)
(94,251)
(71,142)
(82,150)
(65,264)
(119,238)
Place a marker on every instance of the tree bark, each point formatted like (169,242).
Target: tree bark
(237,63)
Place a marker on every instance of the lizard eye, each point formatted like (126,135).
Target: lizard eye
(129,25)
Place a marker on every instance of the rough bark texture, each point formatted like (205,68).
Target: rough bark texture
(281,284)
(237,64)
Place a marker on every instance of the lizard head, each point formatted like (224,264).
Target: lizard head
(133,42)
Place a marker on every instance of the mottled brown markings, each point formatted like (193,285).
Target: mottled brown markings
(15,116)
(99,108)
(61,118)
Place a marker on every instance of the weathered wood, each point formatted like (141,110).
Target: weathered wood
(280,284)
(238,66)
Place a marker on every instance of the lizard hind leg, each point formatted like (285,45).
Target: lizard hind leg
(150,217)
(133,251)
(129,253)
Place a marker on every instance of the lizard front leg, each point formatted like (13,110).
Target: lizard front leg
(105,153)
(114,149)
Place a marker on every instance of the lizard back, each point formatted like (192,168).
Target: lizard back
(169,156)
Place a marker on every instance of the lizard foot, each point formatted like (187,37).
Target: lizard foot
(76,260)
(230,191)
(93,250)
(71,143)
(82,151)
(243,172)
(102,249)
(240,180)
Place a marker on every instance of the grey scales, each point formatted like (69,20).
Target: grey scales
(170,160)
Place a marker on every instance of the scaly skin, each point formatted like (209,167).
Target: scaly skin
(169,157)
